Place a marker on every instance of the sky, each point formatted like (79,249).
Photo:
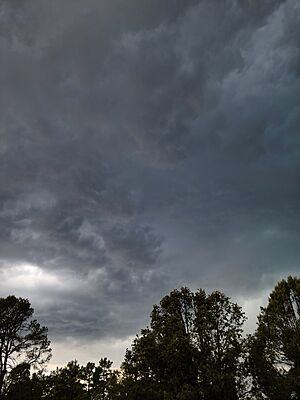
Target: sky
(145,146)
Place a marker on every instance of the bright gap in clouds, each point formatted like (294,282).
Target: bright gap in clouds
(28,276)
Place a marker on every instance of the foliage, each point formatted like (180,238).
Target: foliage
(191,350)
(65,383)
(22,339)
(220,345)
(194,349)
(274,356)
(75,382)
(22,386)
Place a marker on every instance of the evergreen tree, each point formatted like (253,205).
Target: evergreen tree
(22,339)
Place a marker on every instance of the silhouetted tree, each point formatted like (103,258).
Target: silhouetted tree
(75,382)
(66,383)
(100,381)
(21,386)
(274,358)
(22,339)
(220,345)
(192,349)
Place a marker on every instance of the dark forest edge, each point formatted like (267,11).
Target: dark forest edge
(193,349)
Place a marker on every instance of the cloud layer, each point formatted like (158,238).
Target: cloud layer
(144,146)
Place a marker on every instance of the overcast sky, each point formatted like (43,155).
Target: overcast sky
(145,145)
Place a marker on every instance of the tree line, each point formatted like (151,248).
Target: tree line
(194,348)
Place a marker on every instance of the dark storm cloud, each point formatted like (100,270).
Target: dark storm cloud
(143,146)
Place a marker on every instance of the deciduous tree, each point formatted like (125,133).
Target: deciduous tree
(192,349)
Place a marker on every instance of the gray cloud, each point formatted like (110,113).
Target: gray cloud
(142,147)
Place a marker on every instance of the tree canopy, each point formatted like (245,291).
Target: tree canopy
(22,339)
(194,348)
(275,346)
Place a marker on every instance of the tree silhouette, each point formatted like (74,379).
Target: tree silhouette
(22,339)
(275,347)
(192,349)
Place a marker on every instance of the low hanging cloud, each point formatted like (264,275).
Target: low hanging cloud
(144,146)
